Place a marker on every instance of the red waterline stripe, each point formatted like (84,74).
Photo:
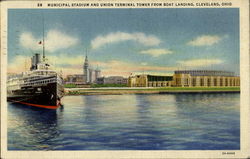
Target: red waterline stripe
(41,106)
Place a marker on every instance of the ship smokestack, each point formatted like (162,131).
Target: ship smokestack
(38,59)
(33,63)
(31,66)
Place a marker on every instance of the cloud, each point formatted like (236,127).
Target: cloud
(54,40)
(27,40)
(156,52)
(19,64)
(147,40)
(115,67)
(144,63)
(200,62)
(205,40)
(68,64)
(64,59)
(74,65)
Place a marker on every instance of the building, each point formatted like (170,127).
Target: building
(150,81)
(90,75)
(112,80)
(86,70)
(97,74)
(187,78)
(74,79)
(205,78)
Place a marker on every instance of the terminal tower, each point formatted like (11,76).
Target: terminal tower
(90,75)
(86,70)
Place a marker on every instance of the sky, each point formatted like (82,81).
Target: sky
(124,41)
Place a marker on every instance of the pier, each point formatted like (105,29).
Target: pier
(150,90)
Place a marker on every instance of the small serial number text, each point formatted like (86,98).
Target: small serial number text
(226,4)
(228,153)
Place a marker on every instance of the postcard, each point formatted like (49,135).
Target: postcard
(125,79)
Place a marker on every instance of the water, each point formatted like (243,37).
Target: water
(129,122)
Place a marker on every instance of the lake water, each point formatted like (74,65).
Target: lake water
(129,122)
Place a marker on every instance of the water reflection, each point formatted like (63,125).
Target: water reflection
(129,122)
(147,133)
(34,127)
(110,119)
(117,109)
(207,103)
(210,119)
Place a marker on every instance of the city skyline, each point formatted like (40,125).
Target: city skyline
(125,41)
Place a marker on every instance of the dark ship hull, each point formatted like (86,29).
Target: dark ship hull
(43,96)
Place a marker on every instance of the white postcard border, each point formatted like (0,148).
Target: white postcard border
(243,6)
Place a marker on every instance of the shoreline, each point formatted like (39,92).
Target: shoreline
(178,90)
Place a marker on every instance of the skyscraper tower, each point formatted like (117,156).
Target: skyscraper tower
(86,70)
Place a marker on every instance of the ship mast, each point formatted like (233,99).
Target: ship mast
(43,42)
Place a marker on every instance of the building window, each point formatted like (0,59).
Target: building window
(202,82)
(221,82)
(194,82)
(215,82)
(226,82)
(208,82)
(178,81)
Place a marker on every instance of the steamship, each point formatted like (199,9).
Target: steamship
(39,87)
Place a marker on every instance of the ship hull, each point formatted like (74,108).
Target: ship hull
(46,96)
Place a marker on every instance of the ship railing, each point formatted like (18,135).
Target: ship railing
(14,76)
(40,82)
(35,78)
(42,73)
(13,87)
